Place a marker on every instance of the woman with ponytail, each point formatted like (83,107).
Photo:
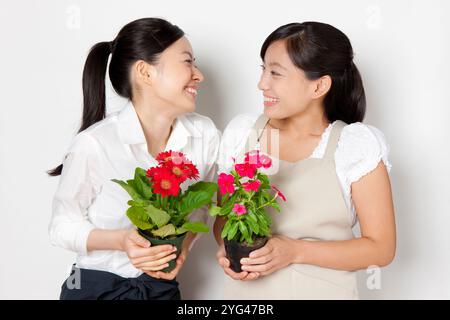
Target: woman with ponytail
(151,65)
(332,169)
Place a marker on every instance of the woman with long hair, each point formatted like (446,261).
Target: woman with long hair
(152,65)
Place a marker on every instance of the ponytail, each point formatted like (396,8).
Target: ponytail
(94,100)
(346,99)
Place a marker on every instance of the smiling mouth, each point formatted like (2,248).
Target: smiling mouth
(191,91)
(270,101)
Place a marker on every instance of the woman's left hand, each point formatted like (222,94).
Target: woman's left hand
(279,252)
(172,274)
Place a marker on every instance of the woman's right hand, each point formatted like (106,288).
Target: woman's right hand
(142,255)
(225,264)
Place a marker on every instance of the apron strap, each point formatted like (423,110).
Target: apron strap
(333,139)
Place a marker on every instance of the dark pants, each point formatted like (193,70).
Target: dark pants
(85,284)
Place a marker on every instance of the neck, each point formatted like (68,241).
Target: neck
(156,123)
(310,122)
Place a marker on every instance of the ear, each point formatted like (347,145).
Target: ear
(322,86)
(144,71)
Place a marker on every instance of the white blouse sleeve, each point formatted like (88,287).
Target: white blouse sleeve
(79,183)
(360,148)
(234,138)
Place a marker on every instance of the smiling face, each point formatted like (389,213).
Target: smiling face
(174,78)
(286,89)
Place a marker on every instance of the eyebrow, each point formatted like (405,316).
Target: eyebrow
(276,64)
(188,53)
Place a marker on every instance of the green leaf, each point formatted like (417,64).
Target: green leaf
(133,203)
(142,183)
(195,227)
(210,187)
(254,227)
(194,200)
(276,206)
(226,208)
(214,210)
(139,218)
(251,216)
(233,230)
(130,189)
(181,230)
(139,172)
(245,232)
(265,184)
(158,216)
(225,229)
(164,231)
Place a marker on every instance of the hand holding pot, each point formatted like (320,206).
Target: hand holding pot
(279,252)
(145,257)
(225,264)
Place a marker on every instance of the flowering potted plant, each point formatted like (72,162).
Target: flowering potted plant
(159,208)
(245,193)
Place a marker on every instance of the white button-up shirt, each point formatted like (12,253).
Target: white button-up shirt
(86,197)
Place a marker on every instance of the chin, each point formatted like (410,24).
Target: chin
(273,113)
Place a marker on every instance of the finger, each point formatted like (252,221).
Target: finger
(235,275)
(257,267)
(153,274)
(260,260)
(141,252)
(138,239)
(224,262)
(251,276)
(166,275)
(154,263)
(220,253)
(267,249)
(157,256)
(154,268)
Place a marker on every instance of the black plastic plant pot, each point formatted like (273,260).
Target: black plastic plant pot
(176,241)
(235,251)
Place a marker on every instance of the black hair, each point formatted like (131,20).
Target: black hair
(320,49)
(142,39)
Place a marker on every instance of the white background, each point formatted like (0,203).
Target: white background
(402,50)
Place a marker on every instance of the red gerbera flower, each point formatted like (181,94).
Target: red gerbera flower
(165,183)
(179,171)
(175,157)
(191,171)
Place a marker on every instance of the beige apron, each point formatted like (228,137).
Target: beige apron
(314,210)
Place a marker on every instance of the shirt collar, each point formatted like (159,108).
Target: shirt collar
(131,132)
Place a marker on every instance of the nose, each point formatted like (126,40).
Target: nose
(263,84)
(197,74)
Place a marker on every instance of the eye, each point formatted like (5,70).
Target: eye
(274,73)
(262,67)
(188,61)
